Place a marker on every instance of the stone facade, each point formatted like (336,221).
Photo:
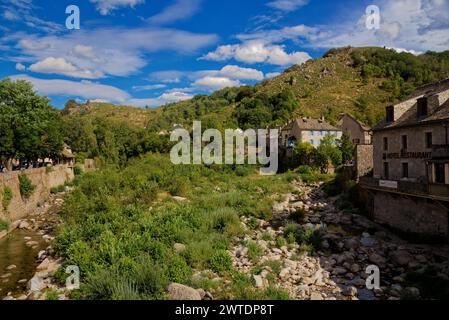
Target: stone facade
(357,131)
(410,183)
(307,130)
(363,159)
(44,179)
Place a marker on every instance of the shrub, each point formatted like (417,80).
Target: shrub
(221,261)
(7,197)
(254,250)
(304,169)
(4,225)
(280,241)
(49,169)
(26,186)
(57,189)
(311,237)
(77,171)
(298,215)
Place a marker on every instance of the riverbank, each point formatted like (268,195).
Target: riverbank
(27,249)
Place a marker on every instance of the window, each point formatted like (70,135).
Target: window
(404,143)
(386,170)
(429,139)
(405,170)
(422,107)
(440,173)
(311,132)
(312,142)
(390,114)
(385,144)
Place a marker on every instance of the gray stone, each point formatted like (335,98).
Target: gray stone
(24,225)
(178,291)
(400,257)
(258,281)
(351,244)
(13,266)
(179,247)
(376,259)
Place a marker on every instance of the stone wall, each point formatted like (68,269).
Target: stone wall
(364,159)
(411,214)
(44,179)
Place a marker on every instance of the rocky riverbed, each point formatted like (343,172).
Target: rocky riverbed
(26,262)
(350,243)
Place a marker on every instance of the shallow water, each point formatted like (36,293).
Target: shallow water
(14,251)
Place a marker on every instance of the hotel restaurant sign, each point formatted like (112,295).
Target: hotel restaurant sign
(407,155)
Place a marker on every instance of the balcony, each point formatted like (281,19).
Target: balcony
(420,189)
(440,151)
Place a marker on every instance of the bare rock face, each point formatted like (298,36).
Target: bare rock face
(178,291)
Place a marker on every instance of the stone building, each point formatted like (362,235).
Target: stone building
(358,132)
(410,183)
(307,130)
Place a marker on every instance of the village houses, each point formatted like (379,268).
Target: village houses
(410,182)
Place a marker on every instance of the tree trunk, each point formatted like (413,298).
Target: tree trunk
(9,164)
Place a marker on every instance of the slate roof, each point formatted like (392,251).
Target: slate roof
(311,124)
(409,118)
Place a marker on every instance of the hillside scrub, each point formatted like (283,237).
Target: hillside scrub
(121,226)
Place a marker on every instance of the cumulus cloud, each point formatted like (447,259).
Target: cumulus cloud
(179,10)
(257,51)
(287,5)
(61,66)
(20,67)
(232,72)
(215,83)
(168,97)
(82,89)
(107,6)
(418,25)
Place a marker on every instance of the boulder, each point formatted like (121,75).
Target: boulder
(279,208)
(24,225)
(179,199)
(401,258)
(376,259)
(258,281)
(351,244)
(178,291)
(179,247)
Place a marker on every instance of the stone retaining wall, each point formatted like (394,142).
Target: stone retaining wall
(44,179)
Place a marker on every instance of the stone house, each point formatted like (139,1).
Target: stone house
(307,130)
(410,183)
(358,132)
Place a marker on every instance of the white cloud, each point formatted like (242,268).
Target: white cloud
(167,76)
(215,83)
(287,5)
(179,10)
(418,25)
(232,72)
(149,87)
(401,50)
(107,6)
(272,75)
(83,89)
(257,51)
(84,52)
(168,97)
(20,67)
(120,52)
(61,66)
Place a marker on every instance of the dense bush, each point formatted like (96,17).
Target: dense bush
(6,198)
(26,186)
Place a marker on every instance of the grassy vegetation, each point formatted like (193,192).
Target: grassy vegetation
(4,225)
(121,226)
(6,197)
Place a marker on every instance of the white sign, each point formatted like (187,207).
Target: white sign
(388,184)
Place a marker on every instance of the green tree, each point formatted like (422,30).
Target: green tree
(30,128)
(346,147)
(329,151)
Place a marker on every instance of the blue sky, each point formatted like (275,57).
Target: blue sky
(151,52)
